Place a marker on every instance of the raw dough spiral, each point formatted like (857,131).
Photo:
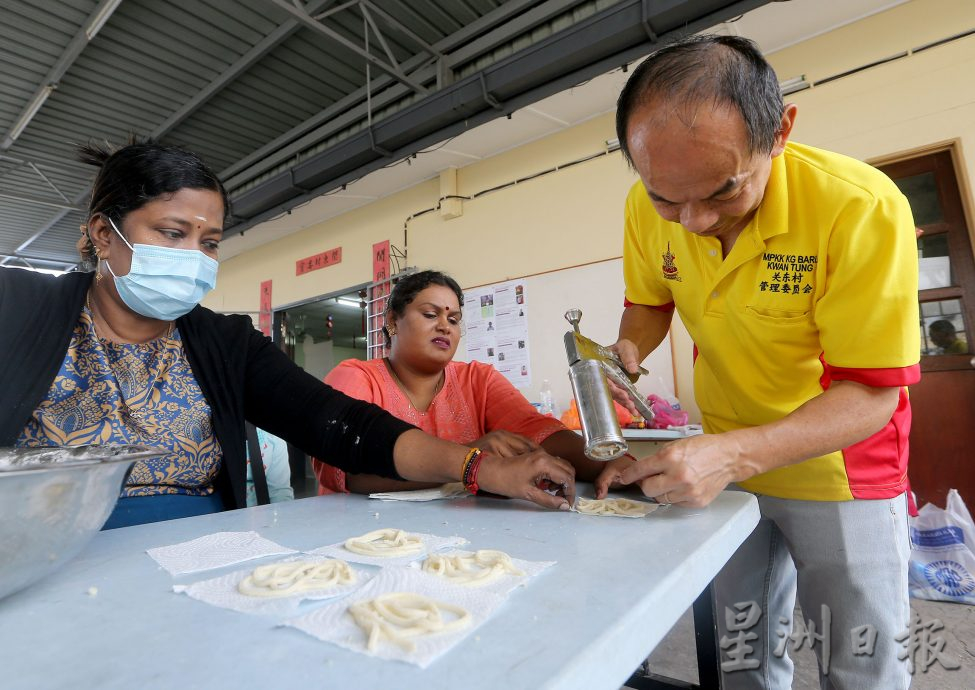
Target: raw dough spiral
(385,543)
(292,577)
(471,570)
(614,506)
(401,617)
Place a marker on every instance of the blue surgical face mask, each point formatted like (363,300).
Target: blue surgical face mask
(164,283)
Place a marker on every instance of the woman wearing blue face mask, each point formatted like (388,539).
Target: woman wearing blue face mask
(125,354)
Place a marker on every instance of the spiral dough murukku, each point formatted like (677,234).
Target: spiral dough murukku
(471,570)
(613,507)
(292,577)
(385,543)
(401,617)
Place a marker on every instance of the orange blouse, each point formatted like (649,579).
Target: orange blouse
(474,400)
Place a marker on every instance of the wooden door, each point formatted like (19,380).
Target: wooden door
(942,453)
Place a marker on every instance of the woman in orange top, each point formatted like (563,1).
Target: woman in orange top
(468,403)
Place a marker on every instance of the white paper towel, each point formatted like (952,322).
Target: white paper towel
(333,623)
(431,543)
(447,491)
(507,582)
(215,551)
(222,591)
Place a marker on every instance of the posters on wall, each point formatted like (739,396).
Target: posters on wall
(497,329)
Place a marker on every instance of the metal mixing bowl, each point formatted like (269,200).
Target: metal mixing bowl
(52,502)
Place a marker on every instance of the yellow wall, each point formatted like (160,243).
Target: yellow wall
(899,107)
(574,216)
(569,217)
(563,219)
(355,232)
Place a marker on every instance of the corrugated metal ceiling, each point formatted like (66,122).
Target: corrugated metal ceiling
(257,87)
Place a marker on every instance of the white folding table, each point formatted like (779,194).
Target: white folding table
(586,623)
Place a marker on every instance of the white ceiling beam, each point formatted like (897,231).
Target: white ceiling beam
(34,201)
(242,64)
(268,43)
(51,80)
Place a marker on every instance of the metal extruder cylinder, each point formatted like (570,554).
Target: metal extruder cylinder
(600,427)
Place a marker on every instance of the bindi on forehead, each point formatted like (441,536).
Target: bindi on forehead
(445,307)
(201,223)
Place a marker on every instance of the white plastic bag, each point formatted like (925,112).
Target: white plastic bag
(942,564)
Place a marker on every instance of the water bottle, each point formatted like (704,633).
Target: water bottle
(548,405)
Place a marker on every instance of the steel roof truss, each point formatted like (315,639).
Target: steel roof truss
(301,13)
(48,181)
(319,126)
(239,66)
(396,24)
(38,202)
(50,81)
(566,57)
(328,13)
(379,34)
(266,45)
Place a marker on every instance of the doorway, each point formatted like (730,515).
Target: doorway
(942,440)
(317,334)
(320,333)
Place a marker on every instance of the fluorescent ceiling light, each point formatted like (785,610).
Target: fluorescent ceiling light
(101,16)
(794,84)
(30,111)
(348,302)
(28,266)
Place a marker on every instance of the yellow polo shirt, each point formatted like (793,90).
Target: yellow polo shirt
(820,286)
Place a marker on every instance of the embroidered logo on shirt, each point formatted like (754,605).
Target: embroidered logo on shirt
(669,268)
(787,274)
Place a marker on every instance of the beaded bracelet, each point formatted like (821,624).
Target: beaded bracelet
(471,465)
(468,459)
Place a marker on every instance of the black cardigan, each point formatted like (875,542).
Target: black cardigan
(242,374)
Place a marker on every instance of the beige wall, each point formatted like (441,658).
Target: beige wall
(240,277)
(574,216)
(899,107)
(567,218)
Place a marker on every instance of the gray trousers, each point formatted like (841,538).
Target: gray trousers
(847,562)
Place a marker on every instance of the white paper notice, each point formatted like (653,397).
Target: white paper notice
(497,329)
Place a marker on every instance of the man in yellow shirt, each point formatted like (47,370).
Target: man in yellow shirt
(795,272)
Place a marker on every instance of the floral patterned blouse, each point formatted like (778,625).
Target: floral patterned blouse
(142,393)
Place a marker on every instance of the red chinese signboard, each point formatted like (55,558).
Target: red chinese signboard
(380,261)
(265,312)
(323,260)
